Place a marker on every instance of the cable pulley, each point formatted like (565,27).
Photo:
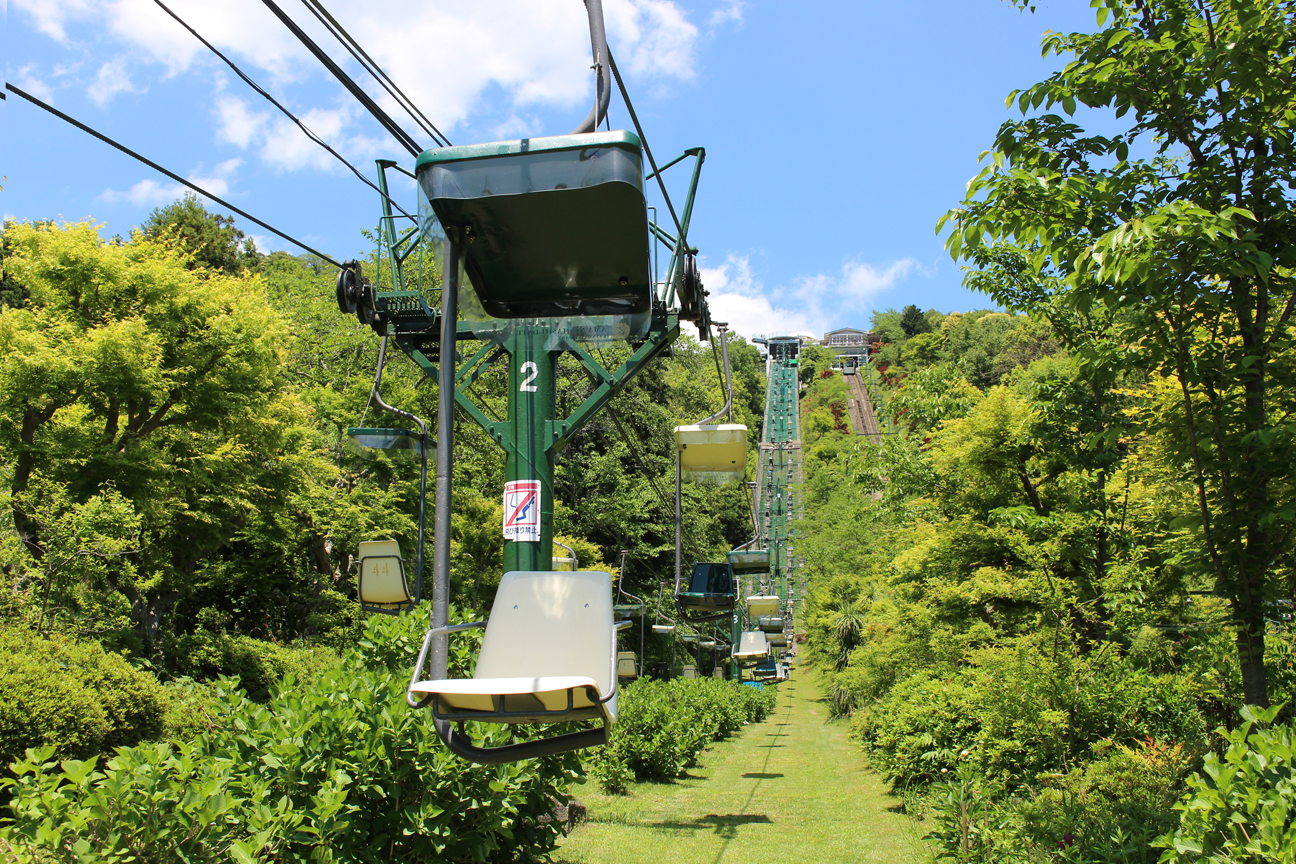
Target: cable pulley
(348,288)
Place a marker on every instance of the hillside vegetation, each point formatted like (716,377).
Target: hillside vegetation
(179,528)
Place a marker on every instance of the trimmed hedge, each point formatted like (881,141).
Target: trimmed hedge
(74,699)
(665,725)
(339,770)
(206,656)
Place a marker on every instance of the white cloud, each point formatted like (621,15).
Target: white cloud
(218,182)
(287,148)
(50,16)
(153,193)
(813,303)
(239,125)
(444,56)
(515,127)
(739,300)
(656,35)
(732,10)
(111,80)
(26,80)
(145,193)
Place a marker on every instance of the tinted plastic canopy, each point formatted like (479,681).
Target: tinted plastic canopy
(710,589)
(555,226)
(365,442)
(749,561)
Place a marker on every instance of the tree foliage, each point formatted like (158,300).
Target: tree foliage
(1178,233)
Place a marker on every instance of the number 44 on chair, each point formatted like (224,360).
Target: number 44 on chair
(522,511)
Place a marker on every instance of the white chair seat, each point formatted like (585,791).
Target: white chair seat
(460,695)
(551,637)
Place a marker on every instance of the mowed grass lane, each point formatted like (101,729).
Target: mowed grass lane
(789,789)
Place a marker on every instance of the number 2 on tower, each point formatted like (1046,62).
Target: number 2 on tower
(527,386)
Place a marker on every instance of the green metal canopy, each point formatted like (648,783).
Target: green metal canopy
(553,226)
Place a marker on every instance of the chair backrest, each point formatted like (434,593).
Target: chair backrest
(713,452)
(627,667)
(382,573)
(547,623)
(690,671)
(752,644)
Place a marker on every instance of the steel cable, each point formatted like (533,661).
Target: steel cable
(259,89)
(156,167)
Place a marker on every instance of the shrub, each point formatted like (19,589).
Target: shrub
(1244,808)
(339,770)
(1019,710)
(206,656)
(74,697)
(664,726)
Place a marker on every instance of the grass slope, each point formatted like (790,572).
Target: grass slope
(789,789)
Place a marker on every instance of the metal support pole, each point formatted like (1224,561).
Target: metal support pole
(679,526)
(445,457)
(533,384)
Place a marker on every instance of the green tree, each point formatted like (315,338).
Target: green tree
(128,370)
(913,321)
(1192,244)
(213,240)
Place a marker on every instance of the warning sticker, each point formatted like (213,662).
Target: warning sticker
(522,511)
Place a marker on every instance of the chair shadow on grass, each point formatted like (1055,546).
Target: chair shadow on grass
(758,775)
(725,826)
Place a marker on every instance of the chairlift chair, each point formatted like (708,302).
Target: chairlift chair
(711,593)
(690,671)
(762,605)
(715,453)
(627,665)
(549,655)
(770,623)
(752,647)
(381,583)
(749,561)
(766,670)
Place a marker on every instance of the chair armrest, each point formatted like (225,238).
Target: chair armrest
(456,628)
(422,658)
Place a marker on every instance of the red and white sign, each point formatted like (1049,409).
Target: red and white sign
(522,511)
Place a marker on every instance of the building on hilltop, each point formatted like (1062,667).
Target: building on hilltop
(845,337)
(849,343)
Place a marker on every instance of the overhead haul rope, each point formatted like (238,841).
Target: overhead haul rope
(679,232)
(652,480)
(156,167)
(355,89)
(258,88)
(366,62)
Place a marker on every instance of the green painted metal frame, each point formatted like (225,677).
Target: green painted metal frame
(531,435)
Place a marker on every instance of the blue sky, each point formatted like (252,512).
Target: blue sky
(836,132)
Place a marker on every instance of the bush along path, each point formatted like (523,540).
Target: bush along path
(789,788)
